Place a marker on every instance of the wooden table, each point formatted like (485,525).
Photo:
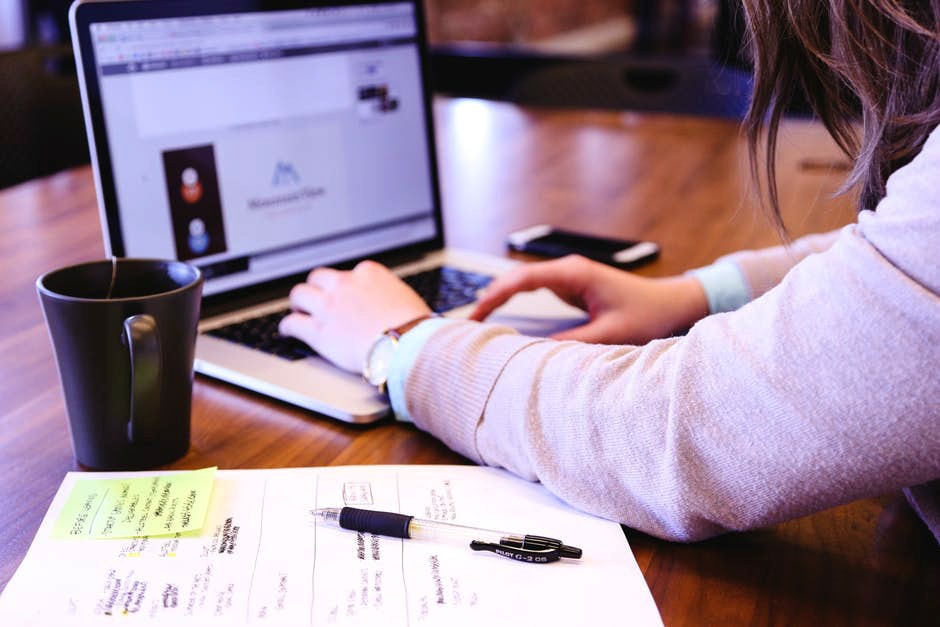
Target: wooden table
(679,181)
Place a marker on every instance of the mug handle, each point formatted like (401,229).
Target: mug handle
(143,346)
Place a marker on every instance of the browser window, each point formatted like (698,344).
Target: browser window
(258,145)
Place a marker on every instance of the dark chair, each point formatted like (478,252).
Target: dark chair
(42,129)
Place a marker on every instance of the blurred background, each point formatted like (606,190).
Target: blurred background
(680,56)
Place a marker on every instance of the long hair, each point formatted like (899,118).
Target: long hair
(870,70)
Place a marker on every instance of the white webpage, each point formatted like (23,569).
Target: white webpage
(309,130)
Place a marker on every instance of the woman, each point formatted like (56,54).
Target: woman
(807,380)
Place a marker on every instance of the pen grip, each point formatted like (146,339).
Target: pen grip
(379,523)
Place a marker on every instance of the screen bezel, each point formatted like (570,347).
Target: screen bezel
(84,13)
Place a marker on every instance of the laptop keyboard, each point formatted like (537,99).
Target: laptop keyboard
(441,288)
(447,288)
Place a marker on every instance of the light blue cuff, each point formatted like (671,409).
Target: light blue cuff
(409,345)
(725,286)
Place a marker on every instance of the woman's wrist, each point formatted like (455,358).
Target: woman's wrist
(724,286)
(410,345)
(688,302)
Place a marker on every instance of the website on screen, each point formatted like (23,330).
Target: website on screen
(258,145)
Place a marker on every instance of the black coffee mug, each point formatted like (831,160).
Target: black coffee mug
(124,336)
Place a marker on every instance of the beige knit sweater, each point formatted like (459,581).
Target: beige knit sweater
(823,389)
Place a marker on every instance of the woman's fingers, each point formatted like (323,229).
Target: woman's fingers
(324,278)
(300,325)
(563,276)
(339,313)
(307,298)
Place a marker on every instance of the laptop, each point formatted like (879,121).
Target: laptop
(258,140)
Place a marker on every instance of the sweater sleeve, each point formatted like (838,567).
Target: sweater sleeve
(735,279)
(763,269)
(821,391)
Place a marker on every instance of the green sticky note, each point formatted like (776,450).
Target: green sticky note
(136,506)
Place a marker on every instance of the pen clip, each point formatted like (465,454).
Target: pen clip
(532,549)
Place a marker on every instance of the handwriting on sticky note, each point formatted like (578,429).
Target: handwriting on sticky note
(154,505)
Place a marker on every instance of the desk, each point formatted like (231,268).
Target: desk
(678,181)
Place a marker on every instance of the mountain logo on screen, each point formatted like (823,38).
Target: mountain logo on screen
(285,174)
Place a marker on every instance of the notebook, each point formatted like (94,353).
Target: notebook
(258,140)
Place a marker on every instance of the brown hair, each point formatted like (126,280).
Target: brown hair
(870,70)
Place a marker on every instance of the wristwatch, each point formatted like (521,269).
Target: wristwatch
(379,358)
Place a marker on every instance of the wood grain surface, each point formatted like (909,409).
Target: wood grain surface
(680,181)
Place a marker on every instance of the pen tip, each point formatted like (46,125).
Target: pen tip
(326,514)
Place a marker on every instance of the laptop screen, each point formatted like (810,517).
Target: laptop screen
(258,144)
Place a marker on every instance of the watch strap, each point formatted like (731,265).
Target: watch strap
(401,329)
(394,333)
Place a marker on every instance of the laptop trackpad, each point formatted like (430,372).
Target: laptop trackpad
(538,313)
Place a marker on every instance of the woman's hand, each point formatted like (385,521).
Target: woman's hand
(339,313)
(624,308)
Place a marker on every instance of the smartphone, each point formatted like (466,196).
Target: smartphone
(549,241)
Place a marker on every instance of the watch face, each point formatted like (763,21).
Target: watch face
(379,359)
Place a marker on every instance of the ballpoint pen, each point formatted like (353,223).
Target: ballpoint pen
(521,547)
